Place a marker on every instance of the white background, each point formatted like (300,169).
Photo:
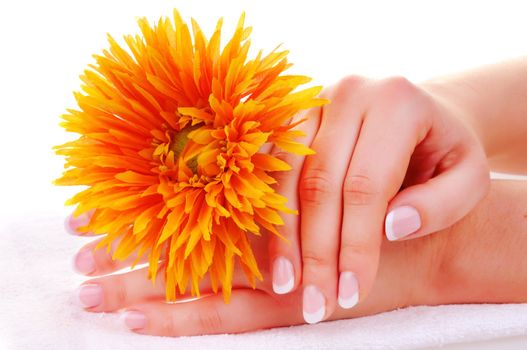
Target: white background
(45,45)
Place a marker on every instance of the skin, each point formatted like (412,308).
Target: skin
(387,144)
(379,145)
(399,145)
(493,98)
(462,264)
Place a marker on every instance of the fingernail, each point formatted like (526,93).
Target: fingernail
(283,275)
(89,295)
(401,222)
(348,290)
(314,305)
(83,262)
(134,320)
(73,223)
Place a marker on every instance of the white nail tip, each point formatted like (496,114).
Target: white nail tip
(349,302)
(284,288)
(315,317)
(388,227)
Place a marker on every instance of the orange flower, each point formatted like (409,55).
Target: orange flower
(170,133)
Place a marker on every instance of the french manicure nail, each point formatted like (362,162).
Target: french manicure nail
(134,320)
(283,275)
(73,223)
(348,290)
(401,222)
(84,262)
(89,295)
(314,305)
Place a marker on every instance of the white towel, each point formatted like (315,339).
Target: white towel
(37,310)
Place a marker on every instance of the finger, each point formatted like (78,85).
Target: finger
(284,255)
(114,292)
(429,207)
(248,310)
(92,262)
(73,224)
(388,136)
(320,192)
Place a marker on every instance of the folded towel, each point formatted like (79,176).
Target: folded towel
(38,310)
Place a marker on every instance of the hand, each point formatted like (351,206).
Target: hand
(467,263)
(147,313)
(381,147)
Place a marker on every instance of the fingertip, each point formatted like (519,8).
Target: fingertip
(401,222)
(133,320)
(313,304)
(388,227)
(348,295)
(284,262)
(84,262)
(72,223)
(68,225)
(89,295)
(285,288)
(348,303)
(283,275)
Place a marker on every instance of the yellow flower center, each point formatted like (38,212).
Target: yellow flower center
(180,140)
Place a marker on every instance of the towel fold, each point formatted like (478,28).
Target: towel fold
(37,310)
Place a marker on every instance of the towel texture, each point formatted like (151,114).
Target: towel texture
(38,310)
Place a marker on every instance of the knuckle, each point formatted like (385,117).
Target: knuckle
(289,158)
(355,250)
(398,84)
(347,86)
(104,260)
(310,258)
(402,95)
(208,320)
(120,291)
(359,190)
(350,82)
(116,291)
(168,324)
(316,187)
(399,92)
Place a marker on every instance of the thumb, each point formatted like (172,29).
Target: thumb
(440,202)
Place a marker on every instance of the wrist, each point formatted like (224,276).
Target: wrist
(481,257)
